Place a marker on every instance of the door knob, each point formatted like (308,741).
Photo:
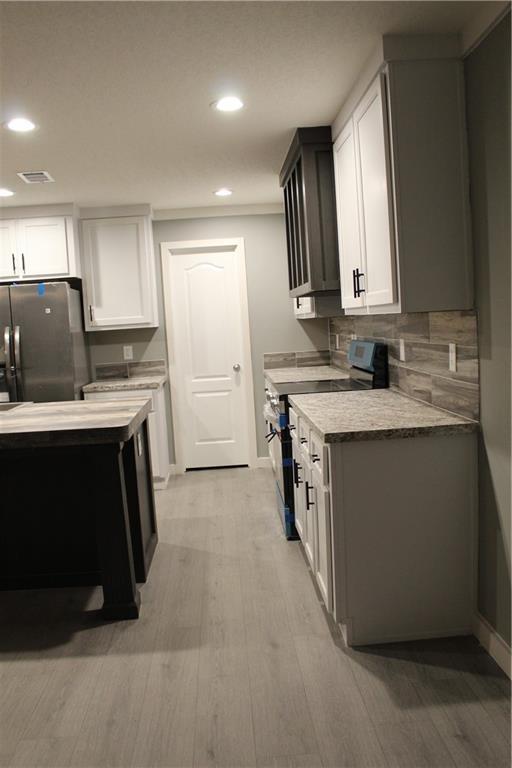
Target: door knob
(236,367)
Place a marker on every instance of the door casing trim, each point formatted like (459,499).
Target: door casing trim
(237,246)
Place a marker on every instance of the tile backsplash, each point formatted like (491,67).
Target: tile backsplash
(424,373)
(129,369)
(296,359)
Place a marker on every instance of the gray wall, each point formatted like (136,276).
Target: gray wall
(487,72)
(273,325)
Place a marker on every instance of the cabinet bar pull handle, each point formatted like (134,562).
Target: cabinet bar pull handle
(308,502)
(358,276)
(354,287)
(23,261)
(91,313)
(13,263)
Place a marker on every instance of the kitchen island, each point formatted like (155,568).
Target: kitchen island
(78,505)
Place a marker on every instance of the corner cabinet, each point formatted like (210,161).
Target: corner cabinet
(119,273)
(37,248)
(307,178)
(402,191)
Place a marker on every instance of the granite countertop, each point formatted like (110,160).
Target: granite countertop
(75,422)
(130,382)
(340,417)
(307,373)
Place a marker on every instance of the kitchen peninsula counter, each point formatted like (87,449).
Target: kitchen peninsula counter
(78,505)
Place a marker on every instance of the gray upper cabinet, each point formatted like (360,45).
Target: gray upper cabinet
(401,182)
(307,178)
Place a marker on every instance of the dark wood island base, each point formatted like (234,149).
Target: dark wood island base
(79,514)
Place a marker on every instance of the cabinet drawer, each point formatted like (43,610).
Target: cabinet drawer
(303,431)
(319,456)
(293,423)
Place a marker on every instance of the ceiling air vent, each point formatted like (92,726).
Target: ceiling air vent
(35,177)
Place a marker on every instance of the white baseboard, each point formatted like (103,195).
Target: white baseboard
(493,643)
(262,461)
(161,483)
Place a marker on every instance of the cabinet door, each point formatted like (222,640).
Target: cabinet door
(309,516)
(298,491)
(304,305)
(323,557)
(8,262)
(348,216)
(43,247)
(375,196)
(119,272)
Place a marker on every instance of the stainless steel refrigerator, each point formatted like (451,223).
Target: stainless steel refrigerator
(43,353)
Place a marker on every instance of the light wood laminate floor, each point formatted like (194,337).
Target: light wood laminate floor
(233,662)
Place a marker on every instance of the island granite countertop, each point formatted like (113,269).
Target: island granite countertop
(127,383)
(340,417)
(307,373)
(75,422)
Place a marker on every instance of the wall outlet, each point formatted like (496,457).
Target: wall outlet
(353,336)
(452,357)
(402,350)
(128,352)
(337,340)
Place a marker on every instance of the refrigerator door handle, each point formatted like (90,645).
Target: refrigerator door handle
(7,348)
(17,359)
(17,348)
(9,367)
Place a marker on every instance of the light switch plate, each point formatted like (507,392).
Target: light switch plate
(402,350)
(128,352)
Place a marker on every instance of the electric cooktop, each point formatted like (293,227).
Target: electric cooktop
(313,387)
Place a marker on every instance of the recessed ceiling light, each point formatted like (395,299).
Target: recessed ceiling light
(20,125)
(5,192)
(228,104)
(224,192)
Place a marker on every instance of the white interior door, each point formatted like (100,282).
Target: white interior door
(210,359)
(375,197)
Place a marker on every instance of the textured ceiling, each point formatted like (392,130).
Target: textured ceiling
(121,91)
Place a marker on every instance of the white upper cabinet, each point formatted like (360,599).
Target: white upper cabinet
(402,190)
(8,268)
(375,198)
(119,272)
(38,248)
(43,246)
(351,264)
(365,205)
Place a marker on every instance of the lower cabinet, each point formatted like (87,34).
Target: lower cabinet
(388,527)
(157,426)
(323,556)
(298,490)
(312,518)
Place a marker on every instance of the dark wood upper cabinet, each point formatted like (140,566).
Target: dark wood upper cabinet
(307,179)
